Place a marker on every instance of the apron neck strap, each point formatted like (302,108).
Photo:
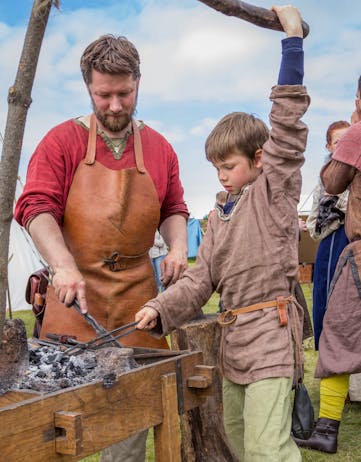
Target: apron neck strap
(92,139)
(138,150)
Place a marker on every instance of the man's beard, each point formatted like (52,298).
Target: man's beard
(111,123)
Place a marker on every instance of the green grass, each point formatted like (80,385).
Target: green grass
(350,430)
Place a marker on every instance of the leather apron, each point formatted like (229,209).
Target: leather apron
(109,224)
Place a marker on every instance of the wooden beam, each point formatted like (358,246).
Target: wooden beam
(166,435)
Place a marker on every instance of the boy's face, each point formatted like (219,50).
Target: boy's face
(235,171)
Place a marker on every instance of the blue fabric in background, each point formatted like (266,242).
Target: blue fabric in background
(195,236)
(328,252)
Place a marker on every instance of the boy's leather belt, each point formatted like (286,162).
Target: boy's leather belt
(229,316)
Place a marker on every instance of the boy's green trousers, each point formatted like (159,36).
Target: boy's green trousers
(257,420)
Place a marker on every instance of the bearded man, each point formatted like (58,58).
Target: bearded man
(97,189)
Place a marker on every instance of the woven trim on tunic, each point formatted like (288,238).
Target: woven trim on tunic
(117,151)
(227,216)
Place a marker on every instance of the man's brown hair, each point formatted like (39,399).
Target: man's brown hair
(237,132)
(110,55)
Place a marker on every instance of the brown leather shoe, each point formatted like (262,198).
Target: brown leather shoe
(323,438)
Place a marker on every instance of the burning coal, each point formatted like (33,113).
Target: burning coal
(51,369)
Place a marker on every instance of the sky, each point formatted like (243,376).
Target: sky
(197,65)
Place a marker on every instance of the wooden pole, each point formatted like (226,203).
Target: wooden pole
(19,100)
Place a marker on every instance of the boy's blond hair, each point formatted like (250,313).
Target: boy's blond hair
(236,133)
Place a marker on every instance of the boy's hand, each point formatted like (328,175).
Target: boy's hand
(290,20)
(146,318)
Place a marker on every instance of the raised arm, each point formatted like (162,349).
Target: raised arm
(283,153)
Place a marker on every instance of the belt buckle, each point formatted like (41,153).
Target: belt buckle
(114,262)
(227,318)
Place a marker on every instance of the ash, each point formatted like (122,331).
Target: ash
(51,369)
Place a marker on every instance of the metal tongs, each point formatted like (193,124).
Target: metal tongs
(103,337)
(99,329)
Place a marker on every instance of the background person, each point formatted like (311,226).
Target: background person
(158,253)
(340,346)
(325,223)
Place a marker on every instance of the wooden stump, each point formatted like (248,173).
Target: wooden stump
(14,356)
(203,438)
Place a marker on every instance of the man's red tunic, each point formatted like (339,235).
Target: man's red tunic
(53,164)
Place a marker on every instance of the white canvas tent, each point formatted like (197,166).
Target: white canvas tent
(23,260)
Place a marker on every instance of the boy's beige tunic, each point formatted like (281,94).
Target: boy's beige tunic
(253,257)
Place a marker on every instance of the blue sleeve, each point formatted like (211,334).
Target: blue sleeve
(291,70)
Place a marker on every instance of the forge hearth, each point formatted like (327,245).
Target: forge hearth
(51,368)
(73,422)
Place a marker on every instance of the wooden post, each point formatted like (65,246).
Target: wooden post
(203,438)
(14,355)
(166,434)
(19,99)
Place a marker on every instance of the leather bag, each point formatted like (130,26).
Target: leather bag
(35,295)
(303,416)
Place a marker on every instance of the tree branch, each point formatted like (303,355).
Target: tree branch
(254,14)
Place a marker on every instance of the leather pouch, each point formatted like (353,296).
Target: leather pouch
(35,295)
(303,418)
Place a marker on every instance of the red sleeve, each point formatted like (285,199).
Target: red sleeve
(162,164)
(173,203)
(50,173)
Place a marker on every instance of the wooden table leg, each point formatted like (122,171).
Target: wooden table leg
(166,434)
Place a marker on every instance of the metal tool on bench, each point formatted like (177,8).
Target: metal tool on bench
(105,339)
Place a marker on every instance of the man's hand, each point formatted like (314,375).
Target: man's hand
(69,284)
(173,266)
(174,232)
(290,20)
(146,318)
(67,280)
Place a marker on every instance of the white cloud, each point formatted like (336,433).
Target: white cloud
(204,127)
(197,65)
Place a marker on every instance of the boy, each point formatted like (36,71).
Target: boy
(249,256)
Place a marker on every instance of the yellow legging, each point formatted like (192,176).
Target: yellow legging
(333,392)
